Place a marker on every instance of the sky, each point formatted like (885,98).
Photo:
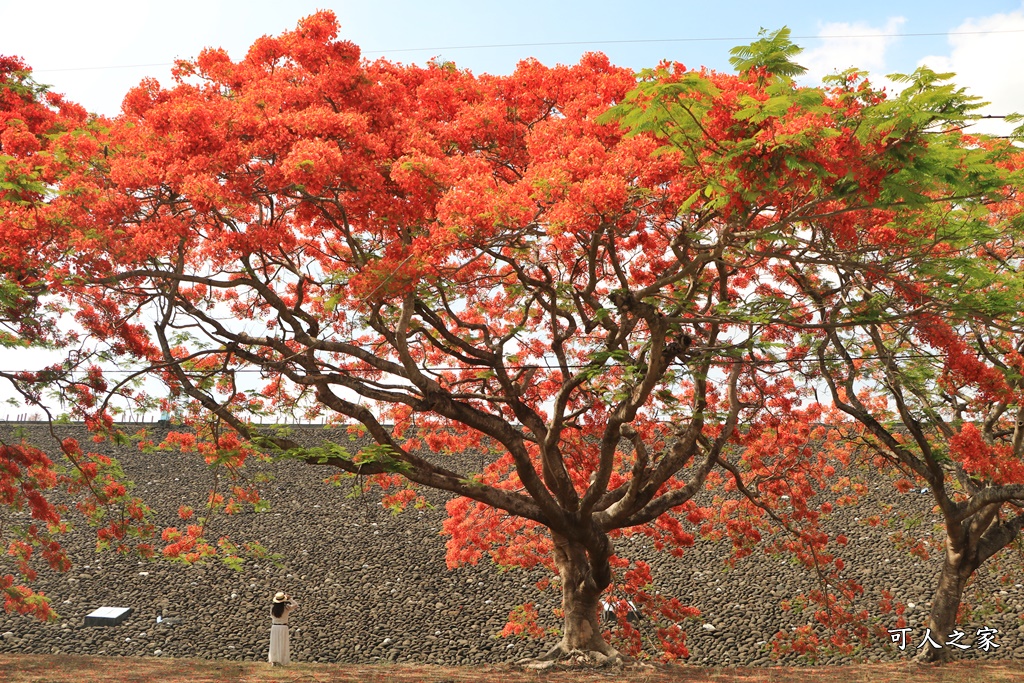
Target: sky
(95,51)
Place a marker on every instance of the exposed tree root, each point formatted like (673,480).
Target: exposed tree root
(930,655)
(561,656)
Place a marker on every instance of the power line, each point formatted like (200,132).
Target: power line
(101,68)
(685,40)
(569,43)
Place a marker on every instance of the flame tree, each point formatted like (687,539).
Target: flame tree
(40,138)
(460,262)
(899,295)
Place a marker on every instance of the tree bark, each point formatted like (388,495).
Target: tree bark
(957,568)
(584,576)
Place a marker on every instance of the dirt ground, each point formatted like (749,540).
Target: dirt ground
(81,669)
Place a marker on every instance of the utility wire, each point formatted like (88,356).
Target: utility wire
(686,40)
(640,41)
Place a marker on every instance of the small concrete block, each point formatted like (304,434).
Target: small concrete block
(107,616)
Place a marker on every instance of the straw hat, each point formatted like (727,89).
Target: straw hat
(280,597)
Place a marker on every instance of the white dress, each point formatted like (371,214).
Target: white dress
(280,652)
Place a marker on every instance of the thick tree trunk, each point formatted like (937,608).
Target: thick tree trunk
(584,577)
(956,570)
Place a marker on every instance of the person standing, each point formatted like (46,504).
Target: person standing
(280,653)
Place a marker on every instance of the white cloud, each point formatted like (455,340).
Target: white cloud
(845,45)
(986,60)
